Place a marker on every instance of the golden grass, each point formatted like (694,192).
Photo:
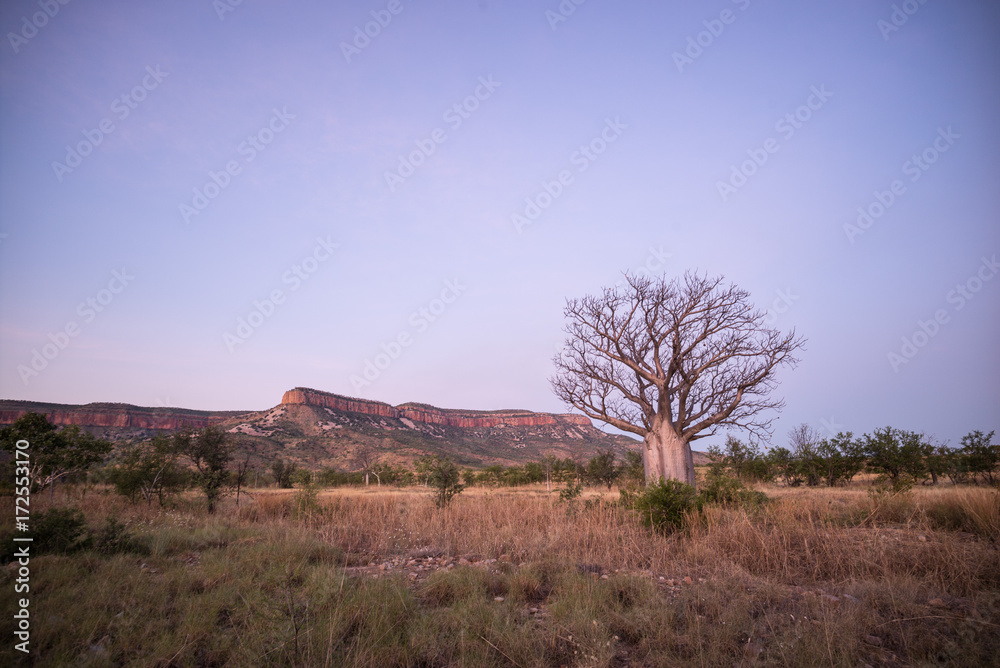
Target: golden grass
(816,577)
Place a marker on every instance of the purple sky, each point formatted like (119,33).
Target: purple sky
(172,169)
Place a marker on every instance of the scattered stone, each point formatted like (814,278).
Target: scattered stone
(688,580)
(464,562)
(604,577)
(498,599)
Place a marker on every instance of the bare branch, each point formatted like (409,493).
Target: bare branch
(692,353)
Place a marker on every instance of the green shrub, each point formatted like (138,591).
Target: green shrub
(570,492)
(445,478)
(114,538)
(665,504)
(724,490)
(59,531)
(306,503)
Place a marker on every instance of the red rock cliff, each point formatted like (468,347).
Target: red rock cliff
(430,414)
(113,415)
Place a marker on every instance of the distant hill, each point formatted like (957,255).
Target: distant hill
(314,428)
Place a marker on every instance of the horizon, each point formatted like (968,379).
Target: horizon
(202,202)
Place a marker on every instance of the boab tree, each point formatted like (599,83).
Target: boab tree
(672,361)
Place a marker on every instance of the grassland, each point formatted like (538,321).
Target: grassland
(382,578)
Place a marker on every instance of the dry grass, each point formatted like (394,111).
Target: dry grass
(817,577)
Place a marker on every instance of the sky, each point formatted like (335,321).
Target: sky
(206,203)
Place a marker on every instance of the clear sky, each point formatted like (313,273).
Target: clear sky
(168,169)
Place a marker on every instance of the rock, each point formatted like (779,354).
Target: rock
(498,599)
(464,562)
(852,599)
(688,580)
(431,415)
(873,640)
(922,539)
(830,598)
(937,603)
(604,577)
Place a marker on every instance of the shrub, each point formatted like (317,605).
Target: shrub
(728,491)
(59,530)
(445,478)
(664,505)
(570,492)
(306,503)
(114,538)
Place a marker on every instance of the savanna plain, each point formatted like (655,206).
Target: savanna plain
(379,576)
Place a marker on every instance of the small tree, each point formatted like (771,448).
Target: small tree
(783,463)
(445,478)
(282,473)
(982,457)
(367,458)
(897,455)
(809,464)
(839,458)
(54,455)
(147,469)
(601,468)
(210,453)
(242,474)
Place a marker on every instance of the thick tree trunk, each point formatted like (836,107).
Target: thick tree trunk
(666,455)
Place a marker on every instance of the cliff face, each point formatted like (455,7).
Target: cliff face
(114,416)
(126,416)
(430,414)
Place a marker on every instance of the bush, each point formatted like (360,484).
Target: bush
(306,503)
(445,478)
(570,492)
(664,505)
(727,491)
(114,538)
(59,531)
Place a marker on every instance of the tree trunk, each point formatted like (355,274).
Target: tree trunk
(665,455)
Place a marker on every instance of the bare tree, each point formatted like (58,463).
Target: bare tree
(367,457)
(802,438)
(240,479)
(672,362)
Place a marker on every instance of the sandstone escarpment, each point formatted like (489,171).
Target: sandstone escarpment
(432,415)
(114,416)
